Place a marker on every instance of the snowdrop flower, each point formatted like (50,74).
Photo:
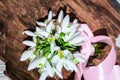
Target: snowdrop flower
(118,41)
(48,20)
(78,57)
(29,53)
(67,59)
(49,71)
(39,32)
(46,71)
(60,62)
(38,62)
(72,35)
(54,46)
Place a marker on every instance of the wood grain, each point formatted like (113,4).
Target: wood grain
(18,15)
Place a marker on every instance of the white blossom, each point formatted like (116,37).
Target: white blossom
(49,39)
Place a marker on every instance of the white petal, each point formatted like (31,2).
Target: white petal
(70,65)
(55,60)
(65,23)
(79,57)
(34,39)
(71,32)
(66,37)
(59,66)
(29,43)
(78,44)
(40,23)
(66,53)
(29,33)
(49,69)
(26,54)
(49,27)
(118,41)
(75,34)
(42,32)
(73,28)
(60,16)
(58,73)
(35,63)
(57,48)
(58,29)
(39,35)
(66,67)
(43,75)
(75,21)
(52,46)
(77,40)
(49,16)
(56,35)
(38,30)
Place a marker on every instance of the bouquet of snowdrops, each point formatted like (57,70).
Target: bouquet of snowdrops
(54,45)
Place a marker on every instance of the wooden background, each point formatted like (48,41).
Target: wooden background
(18,15)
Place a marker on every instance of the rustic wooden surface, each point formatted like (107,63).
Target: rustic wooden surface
(18,15)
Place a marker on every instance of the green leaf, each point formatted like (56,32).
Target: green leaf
(46,54)
(38,38)
(62,34)
(98,50)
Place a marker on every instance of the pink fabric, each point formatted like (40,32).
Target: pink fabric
(107,70)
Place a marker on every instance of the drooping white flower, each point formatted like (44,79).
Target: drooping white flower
(27,54)
(55,35)
(50,71)
(69,65)
(79,57)
(41,33)
(63,58)
(36,62)
(76,39)
(118,41)
(48,20)
(30,52)
(72,35)
(47,71)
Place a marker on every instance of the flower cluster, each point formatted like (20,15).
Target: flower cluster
(54,45)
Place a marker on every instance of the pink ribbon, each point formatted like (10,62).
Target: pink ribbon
(106,70)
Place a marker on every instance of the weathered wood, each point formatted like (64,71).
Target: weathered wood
(18,15)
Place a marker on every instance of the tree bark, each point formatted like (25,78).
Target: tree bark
(18,15)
